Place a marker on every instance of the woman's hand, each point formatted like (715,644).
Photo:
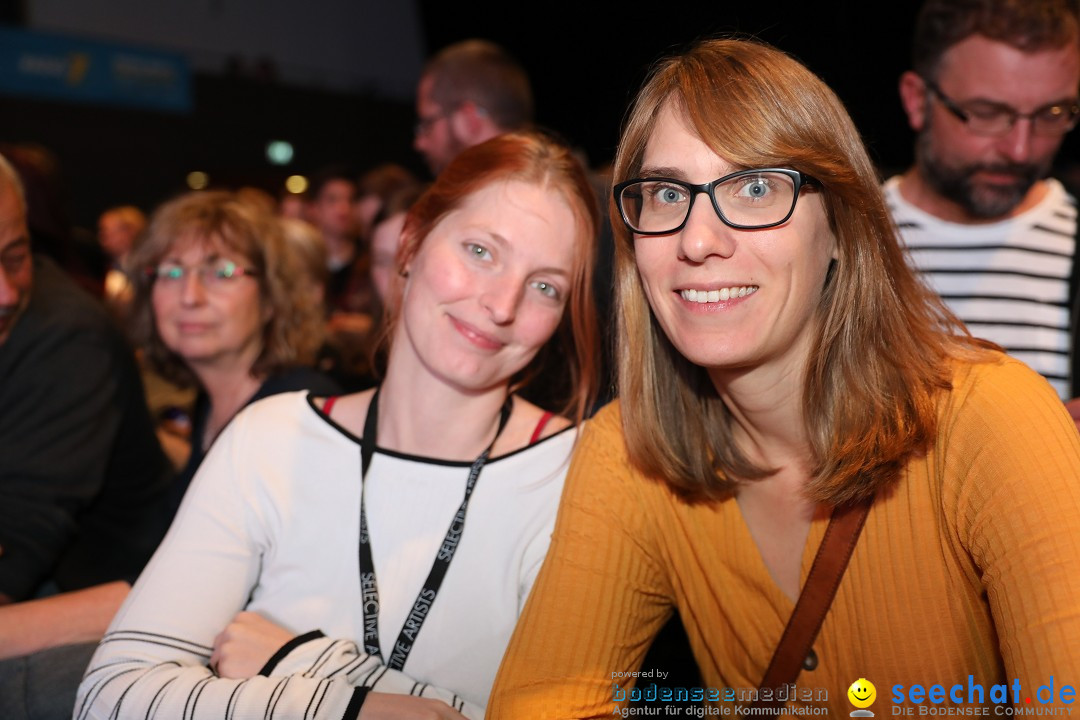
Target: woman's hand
(246,645)
(385,706)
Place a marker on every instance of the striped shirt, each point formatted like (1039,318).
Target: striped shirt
(1008,281)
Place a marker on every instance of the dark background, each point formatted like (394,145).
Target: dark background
(586,61)
(587,65)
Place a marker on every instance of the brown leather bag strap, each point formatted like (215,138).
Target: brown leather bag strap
(816,597)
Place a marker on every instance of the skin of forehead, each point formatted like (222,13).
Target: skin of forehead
(978,68)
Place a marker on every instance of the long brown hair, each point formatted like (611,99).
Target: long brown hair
(539,159)
(881,355)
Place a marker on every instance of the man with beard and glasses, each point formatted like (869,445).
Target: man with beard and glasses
(470,92)
(992,93)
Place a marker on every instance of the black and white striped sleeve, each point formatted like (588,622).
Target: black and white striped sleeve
(331,659)
(319,678)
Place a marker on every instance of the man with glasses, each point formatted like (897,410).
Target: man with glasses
(992,93)
(470,92)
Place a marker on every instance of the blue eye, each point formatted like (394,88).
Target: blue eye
(667,194)
(478,251)
(545,288)
(755,188)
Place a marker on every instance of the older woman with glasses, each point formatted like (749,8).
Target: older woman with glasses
(811,461)
(223,305)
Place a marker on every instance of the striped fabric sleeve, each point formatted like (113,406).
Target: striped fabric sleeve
(315,679)
(332,659)
(153,662)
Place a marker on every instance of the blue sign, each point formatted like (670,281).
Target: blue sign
(65,68)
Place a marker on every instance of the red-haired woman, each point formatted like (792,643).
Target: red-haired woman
(443,477)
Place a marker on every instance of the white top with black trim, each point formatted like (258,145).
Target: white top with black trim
(1008,281)
(271,524)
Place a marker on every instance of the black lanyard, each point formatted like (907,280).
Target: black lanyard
(369,587)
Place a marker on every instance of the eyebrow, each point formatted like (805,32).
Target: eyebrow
(671,172)
(677,174)
(553,271)
(208,258)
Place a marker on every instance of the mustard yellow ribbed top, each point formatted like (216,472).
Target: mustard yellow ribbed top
(968,566)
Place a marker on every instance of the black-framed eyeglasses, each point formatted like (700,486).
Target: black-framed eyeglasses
(992,119)
(213,275)
(745,200)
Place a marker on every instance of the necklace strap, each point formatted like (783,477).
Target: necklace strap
(426,597)
(371,430)
(367,440)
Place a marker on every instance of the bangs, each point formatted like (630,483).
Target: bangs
(215,232)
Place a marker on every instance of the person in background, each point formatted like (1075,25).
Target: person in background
(350,299)
(386,237)
(292,205)
(307,245)
(331,194)
(785,377)
(256,598)
(118,229)
(74,249)
(347,363)
(222,304)
(992,92)
(373,189)
(83,481)
(469,92)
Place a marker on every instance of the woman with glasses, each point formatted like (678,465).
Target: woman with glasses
(222,304)
(384,541)
(783,373)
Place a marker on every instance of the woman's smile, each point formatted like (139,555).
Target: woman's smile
(474,335)
(723,297)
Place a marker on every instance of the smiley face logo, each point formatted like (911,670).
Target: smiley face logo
(862,693)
